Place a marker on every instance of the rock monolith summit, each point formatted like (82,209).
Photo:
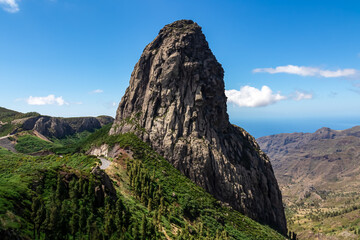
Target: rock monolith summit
(176,102)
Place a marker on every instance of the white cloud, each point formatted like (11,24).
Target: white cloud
(10,5)
(253,97)
(301,95)
(97,91)
(308,71)
(51,99)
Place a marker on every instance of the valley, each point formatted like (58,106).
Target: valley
(179,120)
(169,166)
(148,189)
(319,175)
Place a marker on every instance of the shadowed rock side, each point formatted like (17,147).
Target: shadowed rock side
(62,127)
(176,103)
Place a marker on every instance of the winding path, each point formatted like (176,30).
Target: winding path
(104,163)
(6,136)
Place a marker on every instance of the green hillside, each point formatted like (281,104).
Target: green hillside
(7,115)
(60,197)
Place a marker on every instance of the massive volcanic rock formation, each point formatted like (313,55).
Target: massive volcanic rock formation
(176,103)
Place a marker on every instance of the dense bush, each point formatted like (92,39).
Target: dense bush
(31,144)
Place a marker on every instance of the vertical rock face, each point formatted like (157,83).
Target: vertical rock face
(176,103)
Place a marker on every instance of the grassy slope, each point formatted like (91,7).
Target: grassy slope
(27,143)
(17,172)
(206,210)
(30,144)
(6,116)
(188,213)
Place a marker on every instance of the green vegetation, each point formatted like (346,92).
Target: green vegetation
(334,214)
(60,197)
(19,176)
(31,144)
(70,144)
(7,115)
(6,129)
(185,205)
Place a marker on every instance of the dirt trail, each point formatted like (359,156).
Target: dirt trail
(104,163)
(6,143)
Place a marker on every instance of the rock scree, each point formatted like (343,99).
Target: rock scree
(176,102)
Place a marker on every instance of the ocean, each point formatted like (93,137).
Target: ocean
(264,127)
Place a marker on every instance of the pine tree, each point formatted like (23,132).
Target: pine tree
(60,189)
(91,194)
(109,225)
(161,207)
(224,235)
(74,224)
(217,235)
(64,222)
(82,218)
(201,229)
(89,225)
(135,231)
(40,217)
(54,219)
(143,227)
(44,225)
(149,205)
(73,189)
(34,210)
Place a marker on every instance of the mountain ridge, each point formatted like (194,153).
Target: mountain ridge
(319,175)
(12,122)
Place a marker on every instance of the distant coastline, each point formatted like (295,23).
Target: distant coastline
(265,127)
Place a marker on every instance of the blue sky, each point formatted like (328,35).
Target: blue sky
(289,65)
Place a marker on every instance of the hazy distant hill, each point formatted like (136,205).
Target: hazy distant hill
(326,158)
(319,175)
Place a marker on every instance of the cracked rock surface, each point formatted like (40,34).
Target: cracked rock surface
(176,102)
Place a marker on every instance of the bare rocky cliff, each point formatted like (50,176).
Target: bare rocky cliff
(176,103)
(61,127)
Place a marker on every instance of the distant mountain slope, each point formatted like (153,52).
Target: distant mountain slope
(44,133)
(51,127)
(7,115)
(6,118)
(55,127)
(319,175)
(327,155)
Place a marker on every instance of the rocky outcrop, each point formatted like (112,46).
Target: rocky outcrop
(106,188)
(52,127)
(176,103)
(5,142)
